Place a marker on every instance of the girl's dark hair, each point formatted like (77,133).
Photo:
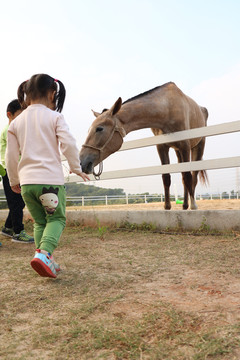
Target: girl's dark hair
(37,87)
(13,106)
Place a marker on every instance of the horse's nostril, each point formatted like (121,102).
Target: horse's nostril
(89,168)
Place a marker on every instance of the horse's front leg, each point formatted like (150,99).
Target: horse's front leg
(163,152)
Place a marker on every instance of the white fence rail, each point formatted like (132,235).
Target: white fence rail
(213,130)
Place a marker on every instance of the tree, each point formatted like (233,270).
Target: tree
(73,189)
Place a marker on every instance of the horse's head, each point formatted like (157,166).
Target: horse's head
(105,136)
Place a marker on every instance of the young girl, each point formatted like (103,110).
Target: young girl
(34,164)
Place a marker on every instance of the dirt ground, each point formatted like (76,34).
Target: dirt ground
(124,294)
(196,291)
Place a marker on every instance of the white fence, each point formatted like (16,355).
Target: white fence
(213,130)
(219,163)
(139,198)
(135,198)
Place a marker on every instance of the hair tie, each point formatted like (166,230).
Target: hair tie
(56,80)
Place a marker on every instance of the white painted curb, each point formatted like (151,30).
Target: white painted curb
(162,219)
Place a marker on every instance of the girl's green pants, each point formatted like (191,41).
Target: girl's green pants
(47,206)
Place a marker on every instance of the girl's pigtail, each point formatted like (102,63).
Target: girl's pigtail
(21,95)
(60,97)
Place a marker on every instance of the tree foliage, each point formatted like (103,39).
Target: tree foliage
(73,189)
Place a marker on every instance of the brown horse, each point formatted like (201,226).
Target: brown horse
(164,109)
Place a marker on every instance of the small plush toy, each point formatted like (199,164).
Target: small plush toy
(49,199)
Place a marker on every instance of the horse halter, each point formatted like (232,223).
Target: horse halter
(122,133)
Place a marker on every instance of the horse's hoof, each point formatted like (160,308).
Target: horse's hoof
(167,207)
(194,207)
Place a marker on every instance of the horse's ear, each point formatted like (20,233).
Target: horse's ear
(96,114)
(116,107)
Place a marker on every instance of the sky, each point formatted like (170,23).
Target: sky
(104,49)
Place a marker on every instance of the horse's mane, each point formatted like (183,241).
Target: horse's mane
(146,93)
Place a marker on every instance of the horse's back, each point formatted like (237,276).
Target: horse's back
(177,110)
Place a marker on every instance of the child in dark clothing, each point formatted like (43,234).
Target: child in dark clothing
(13,226)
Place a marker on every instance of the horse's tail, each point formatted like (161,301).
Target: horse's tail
(203,177)
(205,114)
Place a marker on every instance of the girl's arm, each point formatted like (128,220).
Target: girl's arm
(69,148)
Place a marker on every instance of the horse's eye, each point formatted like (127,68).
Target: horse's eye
(99,129)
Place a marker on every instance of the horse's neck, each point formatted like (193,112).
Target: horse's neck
(135,120)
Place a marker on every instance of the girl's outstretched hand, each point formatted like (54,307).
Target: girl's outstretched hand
(84,176)
(16,189)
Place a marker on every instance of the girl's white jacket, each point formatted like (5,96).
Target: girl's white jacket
(35,138)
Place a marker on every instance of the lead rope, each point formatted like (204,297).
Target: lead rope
(100,170)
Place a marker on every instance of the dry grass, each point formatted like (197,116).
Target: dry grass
(123,295)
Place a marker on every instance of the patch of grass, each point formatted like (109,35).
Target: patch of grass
(101,231)
(204,229)
(137,227)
